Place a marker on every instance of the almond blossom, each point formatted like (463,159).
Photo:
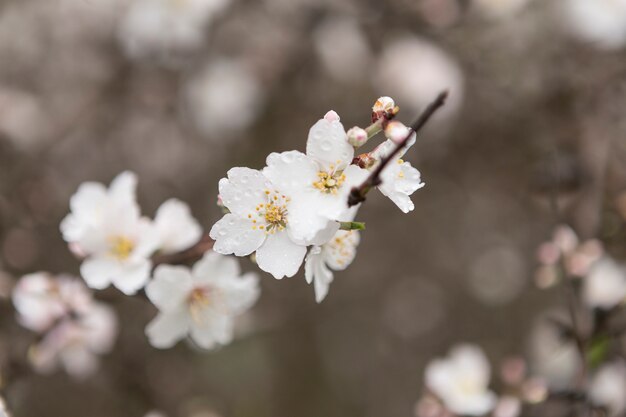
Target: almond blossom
(176,228)
(335,255)
(608,388)
(259,221)
(202,302)
(462,380)
(76,343)
(605,285)
(106,226)
(399,179)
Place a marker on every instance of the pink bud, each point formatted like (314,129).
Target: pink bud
(357,137)
(331,116)
(396,131)
(383,104)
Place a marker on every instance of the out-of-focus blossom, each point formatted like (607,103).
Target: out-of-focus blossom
(553,358)
(259,220)
(462,381)
(166,30)
(497,9)
(343,49)
(224,97)
(605,285)
(429,406)
(320,181)
(76,343)
(335,255)
(106,225)
(508,406)
(600,22)
(513,371)
(608,388)
(414,71)
(3,408)
(177,228)
(534,390)
(41,300)
(202,302)
(22,118)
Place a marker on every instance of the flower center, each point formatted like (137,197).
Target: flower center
(468,386)
(273,213)
(121,247)
(329,182)
(198,300)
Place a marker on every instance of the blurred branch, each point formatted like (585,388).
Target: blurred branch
(358,194)
(195,252)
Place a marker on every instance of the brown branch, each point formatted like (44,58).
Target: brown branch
(357,195)
(191,254)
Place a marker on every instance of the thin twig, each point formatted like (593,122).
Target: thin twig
(357,195)
(191,254)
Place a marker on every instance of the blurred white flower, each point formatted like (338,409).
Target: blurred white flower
(166,29)
(259,221)
(462,381)
(76,343)
(320,181)
(399,179)
(106,226)
(608,388)
(497,9)
(337,254)
(41,299)
(508,406)
(3,408)
(414,71)
(225,97)
(600,22)
(605,285)
(177,228)
(202,302)
(342,48)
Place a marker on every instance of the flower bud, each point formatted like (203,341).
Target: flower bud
(331,116)
(396,131)
(357,137)
(384,107)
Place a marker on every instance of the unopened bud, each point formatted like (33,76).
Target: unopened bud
(384,107)
(365,161)
(357,137)
(331,116)
(396,131)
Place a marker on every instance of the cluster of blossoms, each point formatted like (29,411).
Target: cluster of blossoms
(75,329)
(459,385)
(298,203)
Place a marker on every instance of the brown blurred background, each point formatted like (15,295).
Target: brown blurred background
(89,88)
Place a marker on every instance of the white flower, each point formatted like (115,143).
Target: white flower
(601,22)
(399,178)
(605,285)
(76,343)
(3,408)
(176,227)
(337,254)
(608,388)
(41,300)
(166,28)
(320,181)
(462,380)
(106,226)
(202,302)
(260,220)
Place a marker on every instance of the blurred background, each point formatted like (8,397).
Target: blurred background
(179,91)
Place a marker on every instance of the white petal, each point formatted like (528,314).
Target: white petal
(305,220)
(168,328)
(243,190)
(291,172)
(146,238)
(99,272)
(400,180)
(326,234)
(86,205)
(240,293)
(328,144)
(123,189)
(317,272)
(132,276)
(280,256)
(214,267)
(214,329)
(235,235)
(170,287)
(177,228)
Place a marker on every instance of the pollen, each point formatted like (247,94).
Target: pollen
(198,300)
(273,213)
(329,183)
(121,247)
